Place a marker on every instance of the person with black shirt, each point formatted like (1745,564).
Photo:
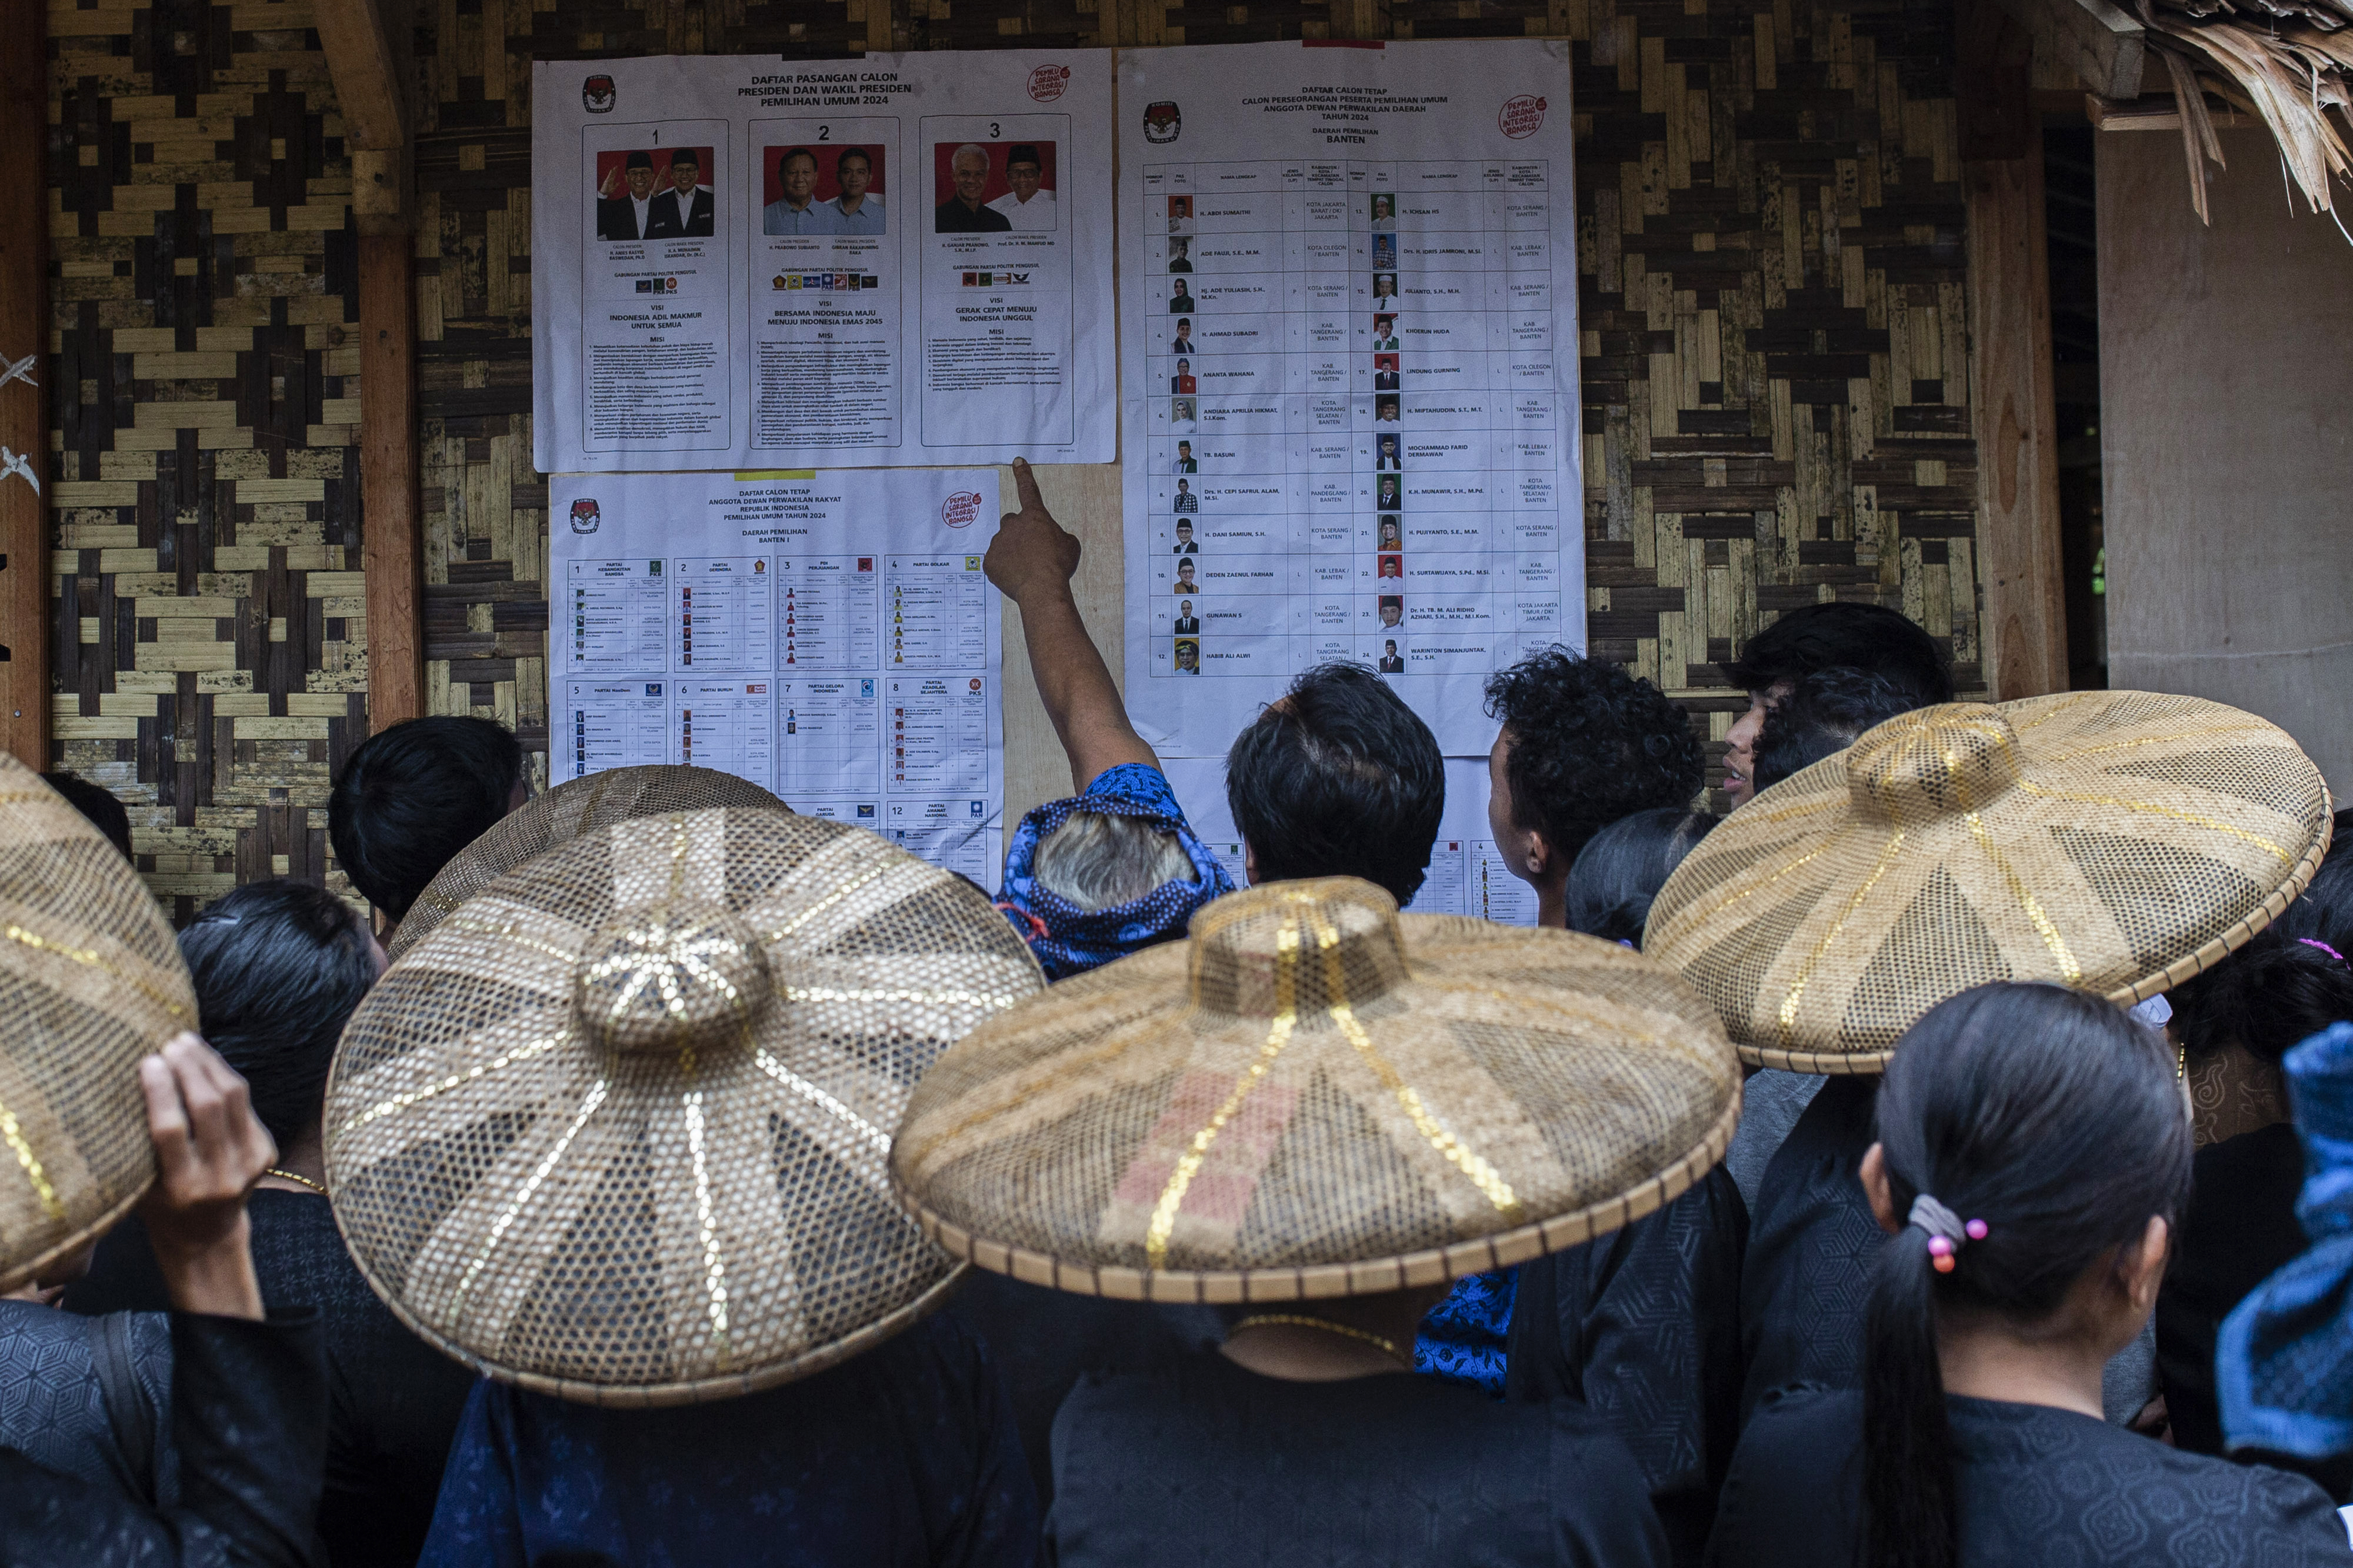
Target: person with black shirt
(2032,1159)
(963,212)
(1836,635)
(685,210)
(1188,623)
(278,966)
(626,214)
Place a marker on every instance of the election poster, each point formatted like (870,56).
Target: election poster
(897,261)
(829,636)
(1349,349)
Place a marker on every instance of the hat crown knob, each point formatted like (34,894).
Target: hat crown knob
(1947,761)
(1297,947)
(668,978)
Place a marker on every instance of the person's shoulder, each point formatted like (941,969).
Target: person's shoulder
(1796,1427)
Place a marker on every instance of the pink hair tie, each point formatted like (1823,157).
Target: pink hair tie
(2316,942)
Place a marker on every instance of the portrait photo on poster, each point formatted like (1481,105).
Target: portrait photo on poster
(653,193)
(818,188)
(995,187)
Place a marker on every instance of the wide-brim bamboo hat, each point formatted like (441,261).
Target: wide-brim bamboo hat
(616,1131)
(1314,1096)
(2114,841)
(90,982)
(563,814)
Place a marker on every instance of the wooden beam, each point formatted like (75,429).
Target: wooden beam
(2025,626)
(25,360)
(2099,42)
(368,84)
(392,554)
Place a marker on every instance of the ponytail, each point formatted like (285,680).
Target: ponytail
(2052,1121)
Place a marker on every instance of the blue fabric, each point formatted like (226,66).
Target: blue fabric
(2284,1367)
(1462,1338)
(904,1457)
(1070,941)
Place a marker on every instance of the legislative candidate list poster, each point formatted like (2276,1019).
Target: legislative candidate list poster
(1348,319)
(897,261)
(828,636)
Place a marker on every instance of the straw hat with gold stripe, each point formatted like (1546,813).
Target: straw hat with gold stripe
(615,1131)
(1314,1096)
(90,981)
(562,814)
(2115,841)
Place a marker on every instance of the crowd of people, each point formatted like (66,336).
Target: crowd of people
(1723,1216)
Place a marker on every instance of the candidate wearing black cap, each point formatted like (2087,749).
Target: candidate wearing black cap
(624,213)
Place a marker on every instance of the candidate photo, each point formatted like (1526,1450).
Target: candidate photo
(1390,538)
(1384,286)
(1385,332)
(1189,656)
(1182,343)
(1384,250)
(658,193)
(1028,203)
(1387,457)
(1390,566)
(1180,298)
(964,175)
(1392,608)
(1385,372)
(1182,380)
(1185,463)
(1188,623)
(1181,255)
(1185,545)
(1180,413)
(1384,210)
(1180,214)
(1186,499)
(1385,409)
(1184,584)
(1389,497)
(1392,663)
(822,191)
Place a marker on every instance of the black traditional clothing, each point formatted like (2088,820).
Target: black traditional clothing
(249,1417)
(1209,1463)
(394,1400)
(2240,1226)
(91,1397)
(1641,1326)
(1812,1237)
(2036,1485)
(902,1457)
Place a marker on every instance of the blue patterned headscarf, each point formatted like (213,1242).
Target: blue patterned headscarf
(2284,1367)
(1070,941)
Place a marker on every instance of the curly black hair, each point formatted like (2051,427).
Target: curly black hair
(1590,743)
(1823,713)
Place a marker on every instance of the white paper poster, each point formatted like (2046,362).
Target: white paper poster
(827,635)
(1467,875)
(1349,343)
(895,261)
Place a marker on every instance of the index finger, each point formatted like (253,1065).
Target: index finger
(1025,484)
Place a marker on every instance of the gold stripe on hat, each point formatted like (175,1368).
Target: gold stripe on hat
(936,998)
(1788,1014)
(524,1195)
(1452,1149)
(826,1102)
(874,873)
(2057,944)
(89,958)
(384,1108)
(1277,1035)
(2191,817)
(714,1271)
(31,1163)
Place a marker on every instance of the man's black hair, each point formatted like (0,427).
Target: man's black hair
(1590,743)
(2325,912)
(1339,779)
(1822,714)
(278,966)
(2269,996)
(413,796)
(1619,871)
(99,805)
(1859,637)
(860,154)
(800,152)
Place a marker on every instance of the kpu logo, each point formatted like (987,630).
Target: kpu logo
(597,95)
(1162,121)
(585,516)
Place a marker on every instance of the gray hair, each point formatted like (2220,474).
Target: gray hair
(1096,860)
(975,148)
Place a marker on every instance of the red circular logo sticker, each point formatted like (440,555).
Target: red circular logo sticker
(1045,83)
(961,508)
(1522,116)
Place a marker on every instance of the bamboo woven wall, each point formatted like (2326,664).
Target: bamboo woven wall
(1775,351)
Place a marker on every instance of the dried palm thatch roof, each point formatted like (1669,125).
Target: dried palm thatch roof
(2288,63)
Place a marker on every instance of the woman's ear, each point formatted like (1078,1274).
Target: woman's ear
(2140,1266)
(1875,1188)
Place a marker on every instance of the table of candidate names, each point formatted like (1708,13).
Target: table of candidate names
(1355,429)
(764,665)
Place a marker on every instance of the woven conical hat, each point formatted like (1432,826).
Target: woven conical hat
(1314,1096)
(2115,841)
(90,981)
(616,1129)
(563,814)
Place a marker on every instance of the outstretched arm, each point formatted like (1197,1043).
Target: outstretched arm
(1030,561)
